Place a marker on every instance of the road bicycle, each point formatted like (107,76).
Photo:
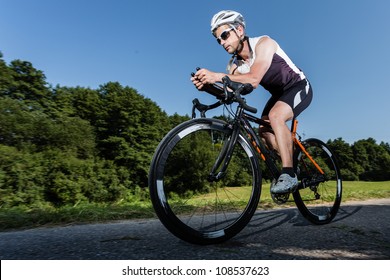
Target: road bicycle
(205,177)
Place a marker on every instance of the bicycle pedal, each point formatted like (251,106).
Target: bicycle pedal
(280,198)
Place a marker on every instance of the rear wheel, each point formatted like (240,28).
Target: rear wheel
(319,193)
(189,204)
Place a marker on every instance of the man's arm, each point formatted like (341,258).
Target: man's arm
(265,50)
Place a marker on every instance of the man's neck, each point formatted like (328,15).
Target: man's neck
(245,53)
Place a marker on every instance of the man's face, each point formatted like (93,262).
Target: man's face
(227,38)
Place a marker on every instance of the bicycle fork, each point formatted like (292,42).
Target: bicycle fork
(225,155)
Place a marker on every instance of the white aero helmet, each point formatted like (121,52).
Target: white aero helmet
(226,17)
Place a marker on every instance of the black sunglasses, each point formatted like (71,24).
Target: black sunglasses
(224,35)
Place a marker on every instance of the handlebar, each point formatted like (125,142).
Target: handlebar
(225,96)
(238,90)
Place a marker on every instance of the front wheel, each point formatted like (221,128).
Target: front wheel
(318,196)
(188,202)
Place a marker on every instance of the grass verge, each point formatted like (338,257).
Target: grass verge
(22,217)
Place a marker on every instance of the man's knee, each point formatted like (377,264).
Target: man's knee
(280,115)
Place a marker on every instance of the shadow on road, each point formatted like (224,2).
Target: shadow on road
(357,232)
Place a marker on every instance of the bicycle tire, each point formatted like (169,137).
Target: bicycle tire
(188,205)
(318,196)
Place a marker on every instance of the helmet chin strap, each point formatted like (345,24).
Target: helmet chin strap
(236,55)
(240,45)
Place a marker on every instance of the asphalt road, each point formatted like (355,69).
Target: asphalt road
(359,231)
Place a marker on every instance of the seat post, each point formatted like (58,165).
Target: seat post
(294,127)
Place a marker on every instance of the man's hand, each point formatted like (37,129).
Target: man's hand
(204,76)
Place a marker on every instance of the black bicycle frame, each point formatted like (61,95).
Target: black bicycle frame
(265,154)
(242,120)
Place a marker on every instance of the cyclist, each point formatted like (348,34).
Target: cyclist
(260,60)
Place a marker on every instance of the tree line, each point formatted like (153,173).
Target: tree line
(65,145)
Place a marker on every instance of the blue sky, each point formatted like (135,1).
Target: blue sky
(153,46)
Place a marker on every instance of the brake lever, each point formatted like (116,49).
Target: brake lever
(237,87)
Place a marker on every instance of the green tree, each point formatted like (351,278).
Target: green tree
(374,159)
(22,180)
(24,128)
(5,77)
(70,180)
(176,119)
(28,84)
(350,169)
(130,129)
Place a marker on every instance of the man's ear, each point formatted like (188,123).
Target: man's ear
(240,29)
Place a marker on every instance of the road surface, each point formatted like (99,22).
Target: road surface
(359,231)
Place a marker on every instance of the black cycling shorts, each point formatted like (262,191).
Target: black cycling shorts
(298,97)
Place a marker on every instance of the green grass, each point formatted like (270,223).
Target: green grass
(352,191)
(365,190)
(22,217)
